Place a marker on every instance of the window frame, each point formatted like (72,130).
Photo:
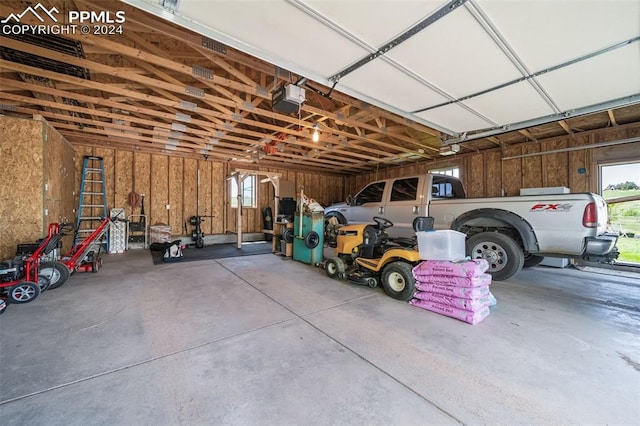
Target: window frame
(253,189)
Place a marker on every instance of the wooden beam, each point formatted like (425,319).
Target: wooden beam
(565,126)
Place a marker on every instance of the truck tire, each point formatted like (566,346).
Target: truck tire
(503,254)
(532,260)
(397,280)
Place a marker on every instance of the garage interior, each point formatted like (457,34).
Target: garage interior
(183,100)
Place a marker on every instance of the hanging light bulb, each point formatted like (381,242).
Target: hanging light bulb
(316,135)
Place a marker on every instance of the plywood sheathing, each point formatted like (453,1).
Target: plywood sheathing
(475,185)
(532,166)
(175,194)
(189,190)
(508,176)
(59,178)
(512,171)
(21,202)
(205,195)
(159,190)
(555,165)
(124,183)
(219,189)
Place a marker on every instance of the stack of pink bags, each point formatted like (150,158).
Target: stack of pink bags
(456,289)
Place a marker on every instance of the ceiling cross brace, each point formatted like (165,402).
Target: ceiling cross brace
(440,13)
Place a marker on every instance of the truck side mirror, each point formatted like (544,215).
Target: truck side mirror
(349,200)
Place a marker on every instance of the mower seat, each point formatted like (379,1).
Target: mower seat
(423,224)
(373,242)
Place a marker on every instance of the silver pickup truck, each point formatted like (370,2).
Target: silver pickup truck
(510,232)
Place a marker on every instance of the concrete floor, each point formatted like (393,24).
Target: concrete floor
(270,341)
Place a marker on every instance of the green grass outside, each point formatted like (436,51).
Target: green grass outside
(625,218)
(629,249)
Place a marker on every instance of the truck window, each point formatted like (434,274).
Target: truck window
(446,188)
(371,194)
(404,189)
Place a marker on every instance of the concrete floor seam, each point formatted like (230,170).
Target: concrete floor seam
(137,364)
(302,318)
(358,299)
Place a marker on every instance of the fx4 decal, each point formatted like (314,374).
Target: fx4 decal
(551,207)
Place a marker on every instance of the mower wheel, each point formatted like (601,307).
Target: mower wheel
(397,280)
(24,292)
(57,273)
(335,268)
(43,282)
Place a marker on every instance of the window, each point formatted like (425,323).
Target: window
(370,194)
(446,188)
(248,192)
(452,171)
(404,189)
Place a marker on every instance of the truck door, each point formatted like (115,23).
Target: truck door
(366,204)
(404,204)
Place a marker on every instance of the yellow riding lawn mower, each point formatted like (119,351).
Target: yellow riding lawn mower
(366,255)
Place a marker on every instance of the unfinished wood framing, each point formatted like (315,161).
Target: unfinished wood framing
(36,187)
(486,174)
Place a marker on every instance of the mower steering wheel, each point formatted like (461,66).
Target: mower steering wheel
(382,222)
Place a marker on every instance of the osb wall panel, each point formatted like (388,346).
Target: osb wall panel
(474,173)
(59,177)
(493,166)
(205,195)
(531,166)
(555,165)
(577,170)
(175,194)
(190,176)
(159,191)
(578,165)
(218,185)
(123,183)
(21,175)
(169,180)
(512,171)
(142,181)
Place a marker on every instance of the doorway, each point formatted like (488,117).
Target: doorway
(620,187)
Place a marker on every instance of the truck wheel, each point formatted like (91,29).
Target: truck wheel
(57,273)
(532,260)
(503,254)
(397,281)
(335,268)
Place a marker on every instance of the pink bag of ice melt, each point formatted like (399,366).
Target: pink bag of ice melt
(466,268)
(466,316)
(472,305)
(451,290)
(481,280)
